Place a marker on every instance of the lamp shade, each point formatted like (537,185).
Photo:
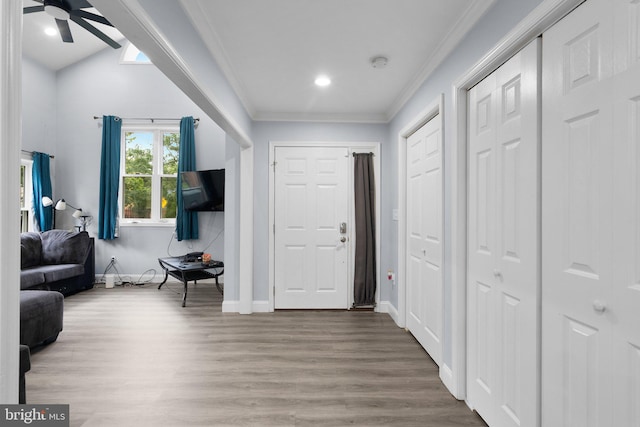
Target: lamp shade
(46,201)
(77,213)
(61,205)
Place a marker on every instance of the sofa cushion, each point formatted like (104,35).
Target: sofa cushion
(64,247)
(57,272)
(30,250)
(41,316)
(31,277)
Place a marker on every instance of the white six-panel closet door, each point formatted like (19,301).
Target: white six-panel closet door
(591,217)
(503,261)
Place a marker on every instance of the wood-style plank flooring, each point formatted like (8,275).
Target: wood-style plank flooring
(132,356)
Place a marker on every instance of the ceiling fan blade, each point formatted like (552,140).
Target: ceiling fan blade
(32,9)
(91,16)
(93,30)
(65,31)
(78,4)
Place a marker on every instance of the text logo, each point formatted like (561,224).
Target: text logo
(34,415)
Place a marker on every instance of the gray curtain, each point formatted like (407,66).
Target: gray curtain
(365,267)
(186,222)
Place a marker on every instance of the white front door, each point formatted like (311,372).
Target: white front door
(424,237)
(591,217)
(311,204)
(503,265)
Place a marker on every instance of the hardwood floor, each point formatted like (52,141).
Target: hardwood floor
(132,356)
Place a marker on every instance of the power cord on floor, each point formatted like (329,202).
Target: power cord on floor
(126,281)
(141,282)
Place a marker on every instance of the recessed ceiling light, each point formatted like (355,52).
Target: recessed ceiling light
(50,31)
(322,81)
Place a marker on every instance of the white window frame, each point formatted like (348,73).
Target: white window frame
(130,56)
(158,131)
(28,192)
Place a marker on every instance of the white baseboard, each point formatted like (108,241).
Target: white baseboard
(234,307)
(446,375)
(230,306)
(383,307)
(118,278)
(387,307)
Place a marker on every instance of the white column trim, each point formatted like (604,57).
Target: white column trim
(245,274)
(10,142)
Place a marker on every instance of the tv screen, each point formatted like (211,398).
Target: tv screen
(203,190)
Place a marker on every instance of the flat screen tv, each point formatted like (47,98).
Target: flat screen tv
(203,190)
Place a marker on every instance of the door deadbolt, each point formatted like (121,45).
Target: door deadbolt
(343,228)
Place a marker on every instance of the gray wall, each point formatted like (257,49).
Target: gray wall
(39,92)
(100,86)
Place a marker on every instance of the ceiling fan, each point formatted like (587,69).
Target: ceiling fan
(63,10)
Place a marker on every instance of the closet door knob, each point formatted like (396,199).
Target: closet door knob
(599,306)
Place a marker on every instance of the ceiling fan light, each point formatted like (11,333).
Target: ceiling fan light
(57,12)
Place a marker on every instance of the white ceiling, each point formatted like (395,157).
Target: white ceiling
(51,51)
(272,50)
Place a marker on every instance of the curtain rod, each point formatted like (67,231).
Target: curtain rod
(31,152)
(354,154)
(144,118)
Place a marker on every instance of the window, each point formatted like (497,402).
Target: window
(26,196)
(133,55)
(149,171)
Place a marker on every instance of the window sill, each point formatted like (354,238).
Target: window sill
(163,224)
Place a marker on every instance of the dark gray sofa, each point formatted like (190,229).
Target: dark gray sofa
(56,260)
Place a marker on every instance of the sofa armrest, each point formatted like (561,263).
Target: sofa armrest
(30,250)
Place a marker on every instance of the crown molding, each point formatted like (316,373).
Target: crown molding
(466,22)
(320,117)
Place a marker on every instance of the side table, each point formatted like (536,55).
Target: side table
(186,271)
